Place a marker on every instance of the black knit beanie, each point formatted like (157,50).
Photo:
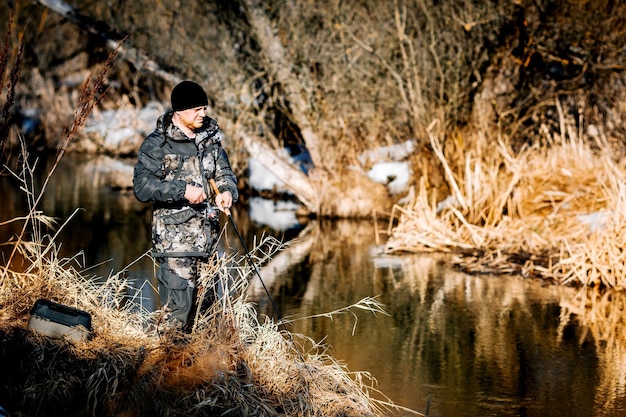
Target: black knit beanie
(187,95)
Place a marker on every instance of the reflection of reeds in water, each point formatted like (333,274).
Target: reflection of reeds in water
(487,304)
(553,212)
(603,315)
(501,315)
(495,339)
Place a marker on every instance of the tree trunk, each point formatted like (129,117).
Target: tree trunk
(101,29)
(293,254)
(285,171)
(281,69)
(325,192)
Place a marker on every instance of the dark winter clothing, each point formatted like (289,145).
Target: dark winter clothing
(187,95)
(183,234)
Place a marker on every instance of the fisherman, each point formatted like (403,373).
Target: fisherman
(174,166)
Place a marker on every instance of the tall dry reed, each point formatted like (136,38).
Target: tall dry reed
(553,211)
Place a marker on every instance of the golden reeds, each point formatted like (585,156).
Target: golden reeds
(552,211)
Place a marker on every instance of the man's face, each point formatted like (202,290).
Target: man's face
(192,118)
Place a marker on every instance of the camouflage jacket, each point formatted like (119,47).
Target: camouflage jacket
(167,161)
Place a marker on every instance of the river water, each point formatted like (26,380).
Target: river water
(450,344)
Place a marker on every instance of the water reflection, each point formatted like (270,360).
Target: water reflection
(454,344)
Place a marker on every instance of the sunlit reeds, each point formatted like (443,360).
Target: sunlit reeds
(553,211)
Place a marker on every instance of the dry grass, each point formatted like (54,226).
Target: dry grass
(553,211)
(231,363)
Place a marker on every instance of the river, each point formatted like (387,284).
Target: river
(450,344)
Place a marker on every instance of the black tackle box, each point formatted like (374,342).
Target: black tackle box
(57,320)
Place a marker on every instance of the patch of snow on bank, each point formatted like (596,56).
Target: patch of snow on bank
(263,179)
(115,138)
(141,120)
(277,215)
(595,221)
(388,153)
(121,131)
(393,174)
(388,165)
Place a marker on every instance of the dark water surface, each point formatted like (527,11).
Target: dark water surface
(452,344)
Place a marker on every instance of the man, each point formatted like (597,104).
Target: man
(174,165)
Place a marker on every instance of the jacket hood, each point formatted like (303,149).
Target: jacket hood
(164,120)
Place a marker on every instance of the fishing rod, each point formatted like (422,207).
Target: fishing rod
(250,260)
(269,296)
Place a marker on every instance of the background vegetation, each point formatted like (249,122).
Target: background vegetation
(517,109)
(373,72)
(482,87)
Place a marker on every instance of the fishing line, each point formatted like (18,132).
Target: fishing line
(250,260)
(269,296)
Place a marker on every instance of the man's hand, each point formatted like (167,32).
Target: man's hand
(195,195)
(224,201)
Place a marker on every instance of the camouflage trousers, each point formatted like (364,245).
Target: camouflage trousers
(177,287)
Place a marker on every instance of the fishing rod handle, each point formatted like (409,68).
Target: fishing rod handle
(217,191)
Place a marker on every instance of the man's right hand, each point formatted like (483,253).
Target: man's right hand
(195,195)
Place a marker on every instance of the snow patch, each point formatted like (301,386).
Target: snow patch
(114,138)
(393,174)
(262,179)
(388,167)
(595,221)
(388,153)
